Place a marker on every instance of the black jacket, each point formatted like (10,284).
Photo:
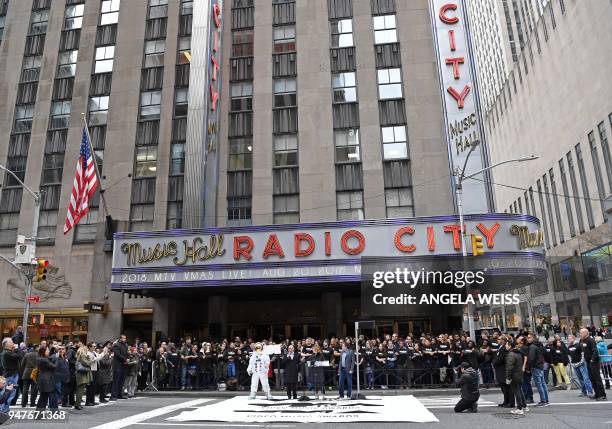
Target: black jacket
(28,363)
(535,356)
(120,351)
(292,367)
(62,371)
(559,355)
(499,365)
(469,385)
(11,361)
(589,348)
(46,375)
(514,367)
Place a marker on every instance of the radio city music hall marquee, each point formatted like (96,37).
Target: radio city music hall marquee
(461,115)
(322,252)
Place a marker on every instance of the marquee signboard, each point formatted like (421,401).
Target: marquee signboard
(461,116)
(308,252)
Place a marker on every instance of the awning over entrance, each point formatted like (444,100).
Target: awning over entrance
(319,252)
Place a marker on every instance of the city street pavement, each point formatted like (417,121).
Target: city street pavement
(566,410)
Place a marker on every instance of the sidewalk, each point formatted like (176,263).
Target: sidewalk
(331,393)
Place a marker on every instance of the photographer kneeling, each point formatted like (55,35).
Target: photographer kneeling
(469,389)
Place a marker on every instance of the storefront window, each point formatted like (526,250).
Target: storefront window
(598,264)
(41,327)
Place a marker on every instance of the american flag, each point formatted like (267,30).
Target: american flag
(85,184)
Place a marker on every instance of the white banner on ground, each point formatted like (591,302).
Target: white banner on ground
(373,409)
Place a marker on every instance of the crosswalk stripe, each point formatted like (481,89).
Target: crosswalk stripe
(137,418)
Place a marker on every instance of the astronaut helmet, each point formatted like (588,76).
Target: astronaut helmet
(258,347)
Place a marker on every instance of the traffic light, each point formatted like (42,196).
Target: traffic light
(41,270)
(477,245)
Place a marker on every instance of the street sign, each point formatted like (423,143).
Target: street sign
(94,307)
(24,253)
(34,298)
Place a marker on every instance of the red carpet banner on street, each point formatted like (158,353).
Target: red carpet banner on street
(373,409)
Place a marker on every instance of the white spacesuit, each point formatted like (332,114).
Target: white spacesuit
(258,370)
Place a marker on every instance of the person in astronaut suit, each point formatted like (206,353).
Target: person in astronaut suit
(258,370)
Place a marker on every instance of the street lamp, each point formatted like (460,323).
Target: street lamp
(28,275)
(459,178)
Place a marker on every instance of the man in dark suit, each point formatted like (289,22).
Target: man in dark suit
(120,360)
(291,363)
(346,363)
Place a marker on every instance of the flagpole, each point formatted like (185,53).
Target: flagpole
(95,163)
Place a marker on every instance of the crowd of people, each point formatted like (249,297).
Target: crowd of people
(75,374)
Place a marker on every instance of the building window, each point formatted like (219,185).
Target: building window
(181,102)
(141,217)
(242,43)
(350,205)
(158,9)
(585,186)
(240,154)
(39,21)
(104,59)
(347,145)
(566,193)
(285,150)
(385,30)
(238,209)
(60,114)
(150,105)
(575,191)
(553,188)
(110,12)
(605,148)
(47,225)
(66,64)
(552,230)
(74,16)
(389,84)
(186,7)
(23,118)
(175,215)
(31,68)
(53,168)
(285,92)
(146,161)
(177,163)
(98,110)
(85,231)
(286,208)
(342,33)
(597,166)
(344,87)
(154,53)
(241,96)
(394,142)
(399,202)
(9,222)
(184,50)
(284,39)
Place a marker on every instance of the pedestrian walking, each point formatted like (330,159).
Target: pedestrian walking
(591,357)
(536,363)
(29,389)
(45,378)
(514,377)
(83,374)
